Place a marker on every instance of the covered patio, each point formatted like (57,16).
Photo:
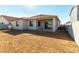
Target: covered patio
(45,22)
(46,25)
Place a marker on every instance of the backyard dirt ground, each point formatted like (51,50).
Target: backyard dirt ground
(14,41)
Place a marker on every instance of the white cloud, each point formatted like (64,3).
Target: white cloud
(30,6)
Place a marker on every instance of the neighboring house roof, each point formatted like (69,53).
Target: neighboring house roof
(37,17)
(68,23)
(24,18)
(9,18)
(43,17)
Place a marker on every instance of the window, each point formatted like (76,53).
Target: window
(2,23)
(38,23)
(31,23)
(17,23)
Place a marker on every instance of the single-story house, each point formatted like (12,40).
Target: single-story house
(5,21)
(38,22)
(43,22)
(14,22)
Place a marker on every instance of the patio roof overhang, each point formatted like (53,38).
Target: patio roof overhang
(43,17)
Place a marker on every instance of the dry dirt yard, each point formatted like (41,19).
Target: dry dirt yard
(14,41)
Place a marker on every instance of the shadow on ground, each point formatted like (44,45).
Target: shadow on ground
(58,35)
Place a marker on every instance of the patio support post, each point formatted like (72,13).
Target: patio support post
(54,25)
(35,24)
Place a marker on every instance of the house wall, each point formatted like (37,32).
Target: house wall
(25,24)
(75,23)
(78,13)
(20,23)
(75,28)
(5,23)
(42,25)
(34,27)
(73,16)
(69,29)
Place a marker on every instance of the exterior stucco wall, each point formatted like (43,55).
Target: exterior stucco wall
(68,27)
(34,27)
(41,25)
(20,25)
(25,24)
(78,13)
(3,20)
(5,23)
(75,27)
(74,17)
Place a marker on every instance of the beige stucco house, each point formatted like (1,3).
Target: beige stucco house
(38,22)
(14,22)
(43,22)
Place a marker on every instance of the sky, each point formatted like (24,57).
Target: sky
(62,11)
